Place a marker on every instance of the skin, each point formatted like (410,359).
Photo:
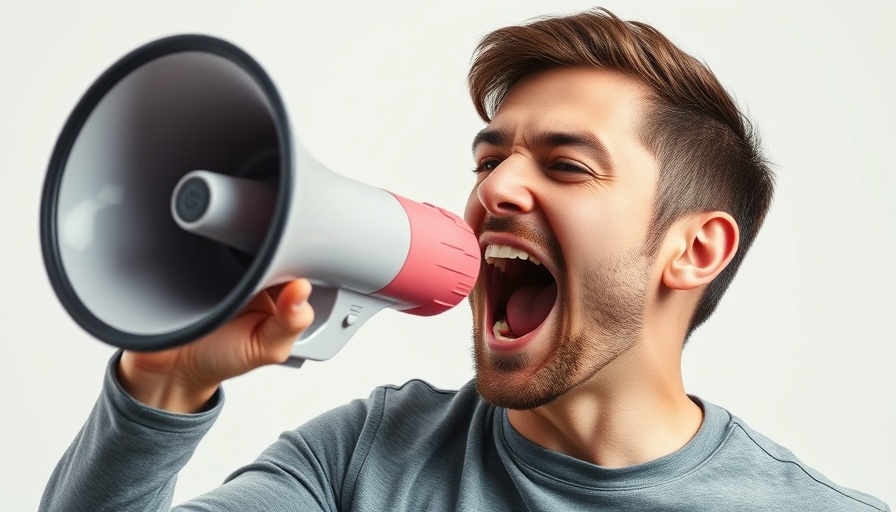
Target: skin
(183,379)
(565,201)
(600,380)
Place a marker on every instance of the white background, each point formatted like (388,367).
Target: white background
(802,347)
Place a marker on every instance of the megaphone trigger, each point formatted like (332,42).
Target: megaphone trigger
(338,313)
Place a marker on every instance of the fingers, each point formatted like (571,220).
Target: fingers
(262,302)
(296,291)
(265,301)
(274,291)
(292,316)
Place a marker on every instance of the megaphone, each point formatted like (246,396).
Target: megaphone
(176,192)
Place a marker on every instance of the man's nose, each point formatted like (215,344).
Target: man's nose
(507,190)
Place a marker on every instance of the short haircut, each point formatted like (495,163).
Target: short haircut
(708,154)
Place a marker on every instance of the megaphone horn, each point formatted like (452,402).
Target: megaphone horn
(176,192)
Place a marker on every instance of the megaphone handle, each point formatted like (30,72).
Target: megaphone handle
(338,313)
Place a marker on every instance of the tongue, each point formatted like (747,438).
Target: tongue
(528,307)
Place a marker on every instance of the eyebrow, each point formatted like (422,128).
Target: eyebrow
(577,139)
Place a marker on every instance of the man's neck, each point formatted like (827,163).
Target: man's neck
(632,411)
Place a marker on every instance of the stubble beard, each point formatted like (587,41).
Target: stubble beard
(611,316)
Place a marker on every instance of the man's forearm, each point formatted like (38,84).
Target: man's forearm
(127,455)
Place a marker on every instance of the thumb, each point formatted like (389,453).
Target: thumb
(292,315)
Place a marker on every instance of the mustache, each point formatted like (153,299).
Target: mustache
(502,224)
(526,231)
(512,226)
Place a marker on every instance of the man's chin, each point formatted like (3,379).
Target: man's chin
(510,397)
(514,381)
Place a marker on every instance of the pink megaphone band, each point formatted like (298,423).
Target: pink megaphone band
(442,263)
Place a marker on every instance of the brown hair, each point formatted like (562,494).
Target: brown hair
(708,154)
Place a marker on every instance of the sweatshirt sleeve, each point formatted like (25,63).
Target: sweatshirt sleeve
(127,457)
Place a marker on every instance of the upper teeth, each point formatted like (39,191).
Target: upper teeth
(495,252)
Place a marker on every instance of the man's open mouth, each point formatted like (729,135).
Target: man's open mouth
(521,291)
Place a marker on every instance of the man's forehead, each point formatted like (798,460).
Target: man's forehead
(571,99)
(553,86)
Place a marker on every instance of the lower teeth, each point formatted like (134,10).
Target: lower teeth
(501,329)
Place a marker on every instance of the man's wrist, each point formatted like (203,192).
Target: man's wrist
(163,391)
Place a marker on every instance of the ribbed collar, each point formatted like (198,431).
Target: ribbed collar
(543,464)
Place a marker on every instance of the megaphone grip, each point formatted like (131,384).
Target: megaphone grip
(442,263)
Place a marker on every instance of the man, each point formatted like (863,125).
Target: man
(618,188)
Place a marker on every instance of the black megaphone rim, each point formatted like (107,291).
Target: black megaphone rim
(49,229)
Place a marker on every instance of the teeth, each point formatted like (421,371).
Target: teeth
(495,254)
(501,329)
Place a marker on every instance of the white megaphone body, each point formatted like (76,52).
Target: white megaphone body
(176,192)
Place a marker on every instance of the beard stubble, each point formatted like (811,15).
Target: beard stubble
(610,315)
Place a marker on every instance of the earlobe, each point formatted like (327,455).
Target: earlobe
(710,240)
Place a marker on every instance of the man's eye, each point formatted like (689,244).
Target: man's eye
(486,165)
(564,166)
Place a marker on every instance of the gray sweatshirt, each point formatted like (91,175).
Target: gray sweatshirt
(418,448)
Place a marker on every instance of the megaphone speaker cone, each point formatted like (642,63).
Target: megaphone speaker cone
(176,192)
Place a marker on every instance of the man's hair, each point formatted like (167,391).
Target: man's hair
(708,155)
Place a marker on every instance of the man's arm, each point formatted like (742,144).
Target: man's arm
(127,455)
(156,407)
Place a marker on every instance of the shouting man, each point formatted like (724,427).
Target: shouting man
(617,190)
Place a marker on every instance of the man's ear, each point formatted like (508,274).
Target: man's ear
(704,245)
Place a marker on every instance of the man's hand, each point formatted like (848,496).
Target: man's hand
(184,378)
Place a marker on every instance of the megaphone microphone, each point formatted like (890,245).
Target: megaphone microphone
(176,192)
